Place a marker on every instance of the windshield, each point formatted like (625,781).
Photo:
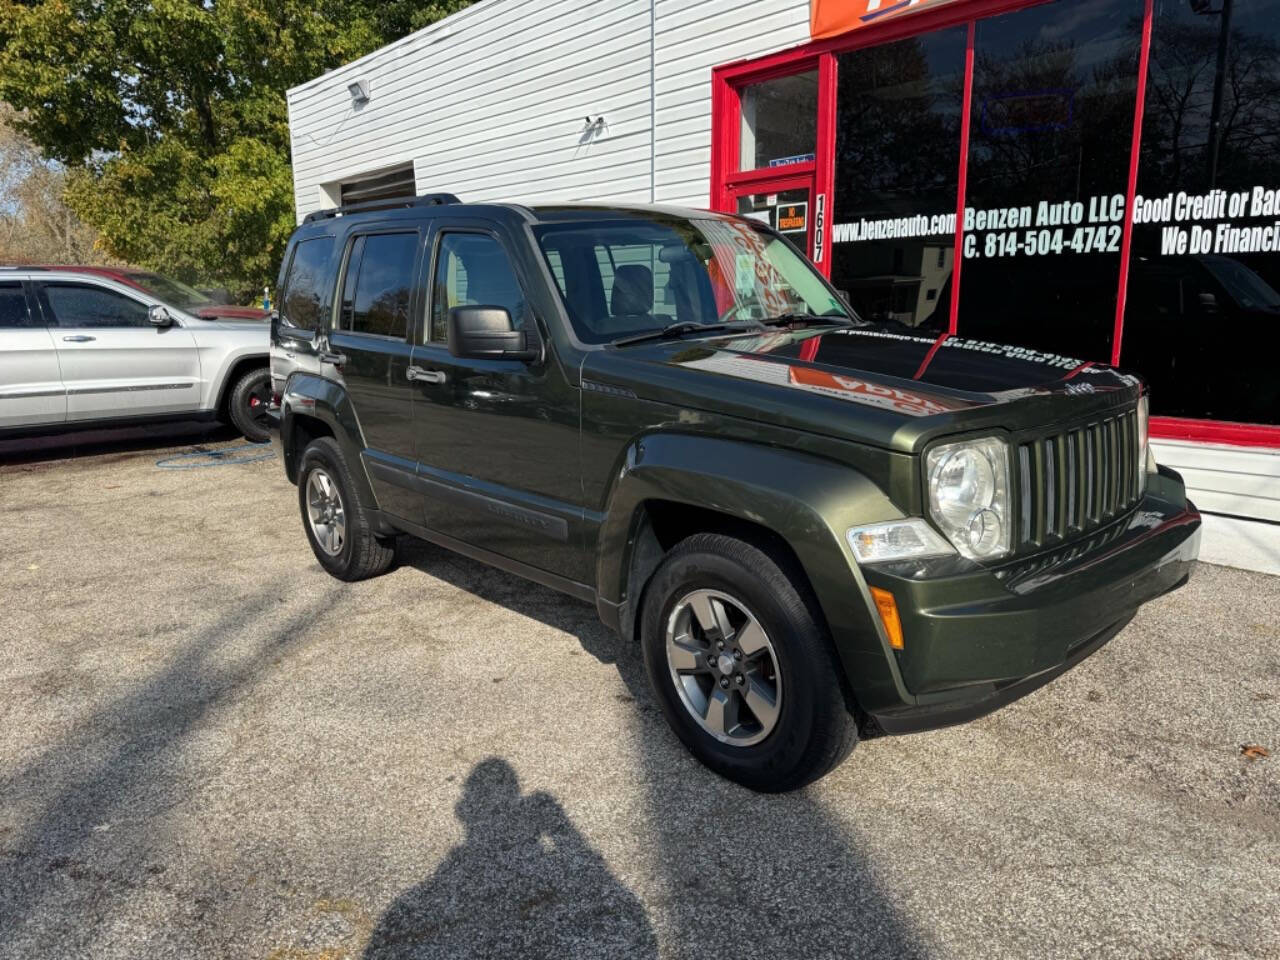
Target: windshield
(621,278)
(173,292)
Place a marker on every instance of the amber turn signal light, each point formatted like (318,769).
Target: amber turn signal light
(887,607)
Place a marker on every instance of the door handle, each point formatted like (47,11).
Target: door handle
(79,338)
(337,359)
(425,376)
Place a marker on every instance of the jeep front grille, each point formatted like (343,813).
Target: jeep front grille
(1077,480)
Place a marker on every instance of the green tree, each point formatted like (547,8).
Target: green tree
(171,115)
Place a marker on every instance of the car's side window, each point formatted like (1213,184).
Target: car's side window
(378,284)
(303,297)
(13,307)
(472,268)
(85,305)
(557,266)
(350,273)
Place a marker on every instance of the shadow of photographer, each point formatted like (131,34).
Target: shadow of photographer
(523,883)
(739,874)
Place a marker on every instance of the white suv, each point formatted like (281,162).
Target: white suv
(79,350)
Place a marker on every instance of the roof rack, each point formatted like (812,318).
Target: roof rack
(402,203)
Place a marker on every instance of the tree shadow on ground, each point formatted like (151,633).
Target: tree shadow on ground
(741,874)
(117,770)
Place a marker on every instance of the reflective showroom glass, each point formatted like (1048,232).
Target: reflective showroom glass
(1203,309)
(899,109)
(1054,91)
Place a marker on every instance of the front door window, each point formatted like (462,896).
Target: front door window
(83,305)
(472,268)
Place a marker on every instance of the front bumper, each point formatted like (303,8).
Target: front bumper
(976,641)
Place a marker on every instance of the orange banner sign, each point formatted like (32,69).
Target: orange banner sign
(827,18)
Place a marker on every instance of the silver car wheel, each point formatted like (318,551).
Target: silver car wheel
(724,667)
(325,512)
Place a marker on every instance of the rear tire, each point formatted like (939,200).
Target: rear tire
(247,404)
(757,697)
(338,525)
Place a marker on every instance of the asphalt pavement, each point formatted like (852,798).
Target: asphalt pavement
(209,748)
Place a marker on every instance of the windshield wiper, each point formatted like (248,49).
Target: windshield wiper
(679,329)
(795,319)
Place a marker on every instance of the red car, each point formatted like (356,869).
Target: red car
(173,292)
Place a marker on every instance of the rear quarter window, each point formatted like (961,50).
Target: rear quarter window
(13,307)
(307,283)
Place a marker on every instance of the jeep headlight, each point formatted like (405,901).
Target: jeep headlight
(969,495)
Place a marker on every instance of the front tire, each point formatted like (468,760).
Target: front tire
(338,525)
(247,404)
(741,665)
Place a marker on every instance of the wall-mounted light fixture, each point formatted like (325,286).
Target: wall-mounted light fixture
(359,91)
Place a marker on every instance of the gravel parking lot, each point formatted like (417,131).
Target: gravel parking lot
(210,748)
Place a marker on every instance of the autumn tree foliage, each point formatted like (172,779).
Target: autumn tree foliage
(170,115)
(36,224)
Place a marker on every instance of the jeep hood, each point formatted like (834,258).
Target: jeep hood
(870,383)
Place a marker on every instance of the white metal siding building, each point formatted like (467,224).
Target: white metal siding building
(572,100)
(493,102)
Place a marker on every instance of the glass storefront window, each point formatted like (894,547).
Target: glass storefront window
(1054,90)
(1054,93)
(1203,310)
(899,113)
(779,121)
(786,211)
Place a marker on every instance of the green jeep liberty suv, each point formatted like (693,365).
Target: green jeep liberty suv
(818,528)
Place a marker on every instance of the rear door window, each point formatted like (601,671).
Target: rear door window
(378,287)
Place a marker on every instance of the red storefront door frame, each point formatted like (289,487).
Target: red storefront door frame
(728,182)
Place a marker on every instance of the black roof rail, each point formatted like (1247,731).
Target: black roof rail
(401,203)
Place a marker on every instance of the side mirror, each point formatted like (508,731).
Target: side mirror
(1208,303)
(487,333)
(158,316)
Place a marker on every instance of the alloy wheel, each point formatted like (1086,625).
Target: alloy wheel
(325,512)
(258,400)
(724,667)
